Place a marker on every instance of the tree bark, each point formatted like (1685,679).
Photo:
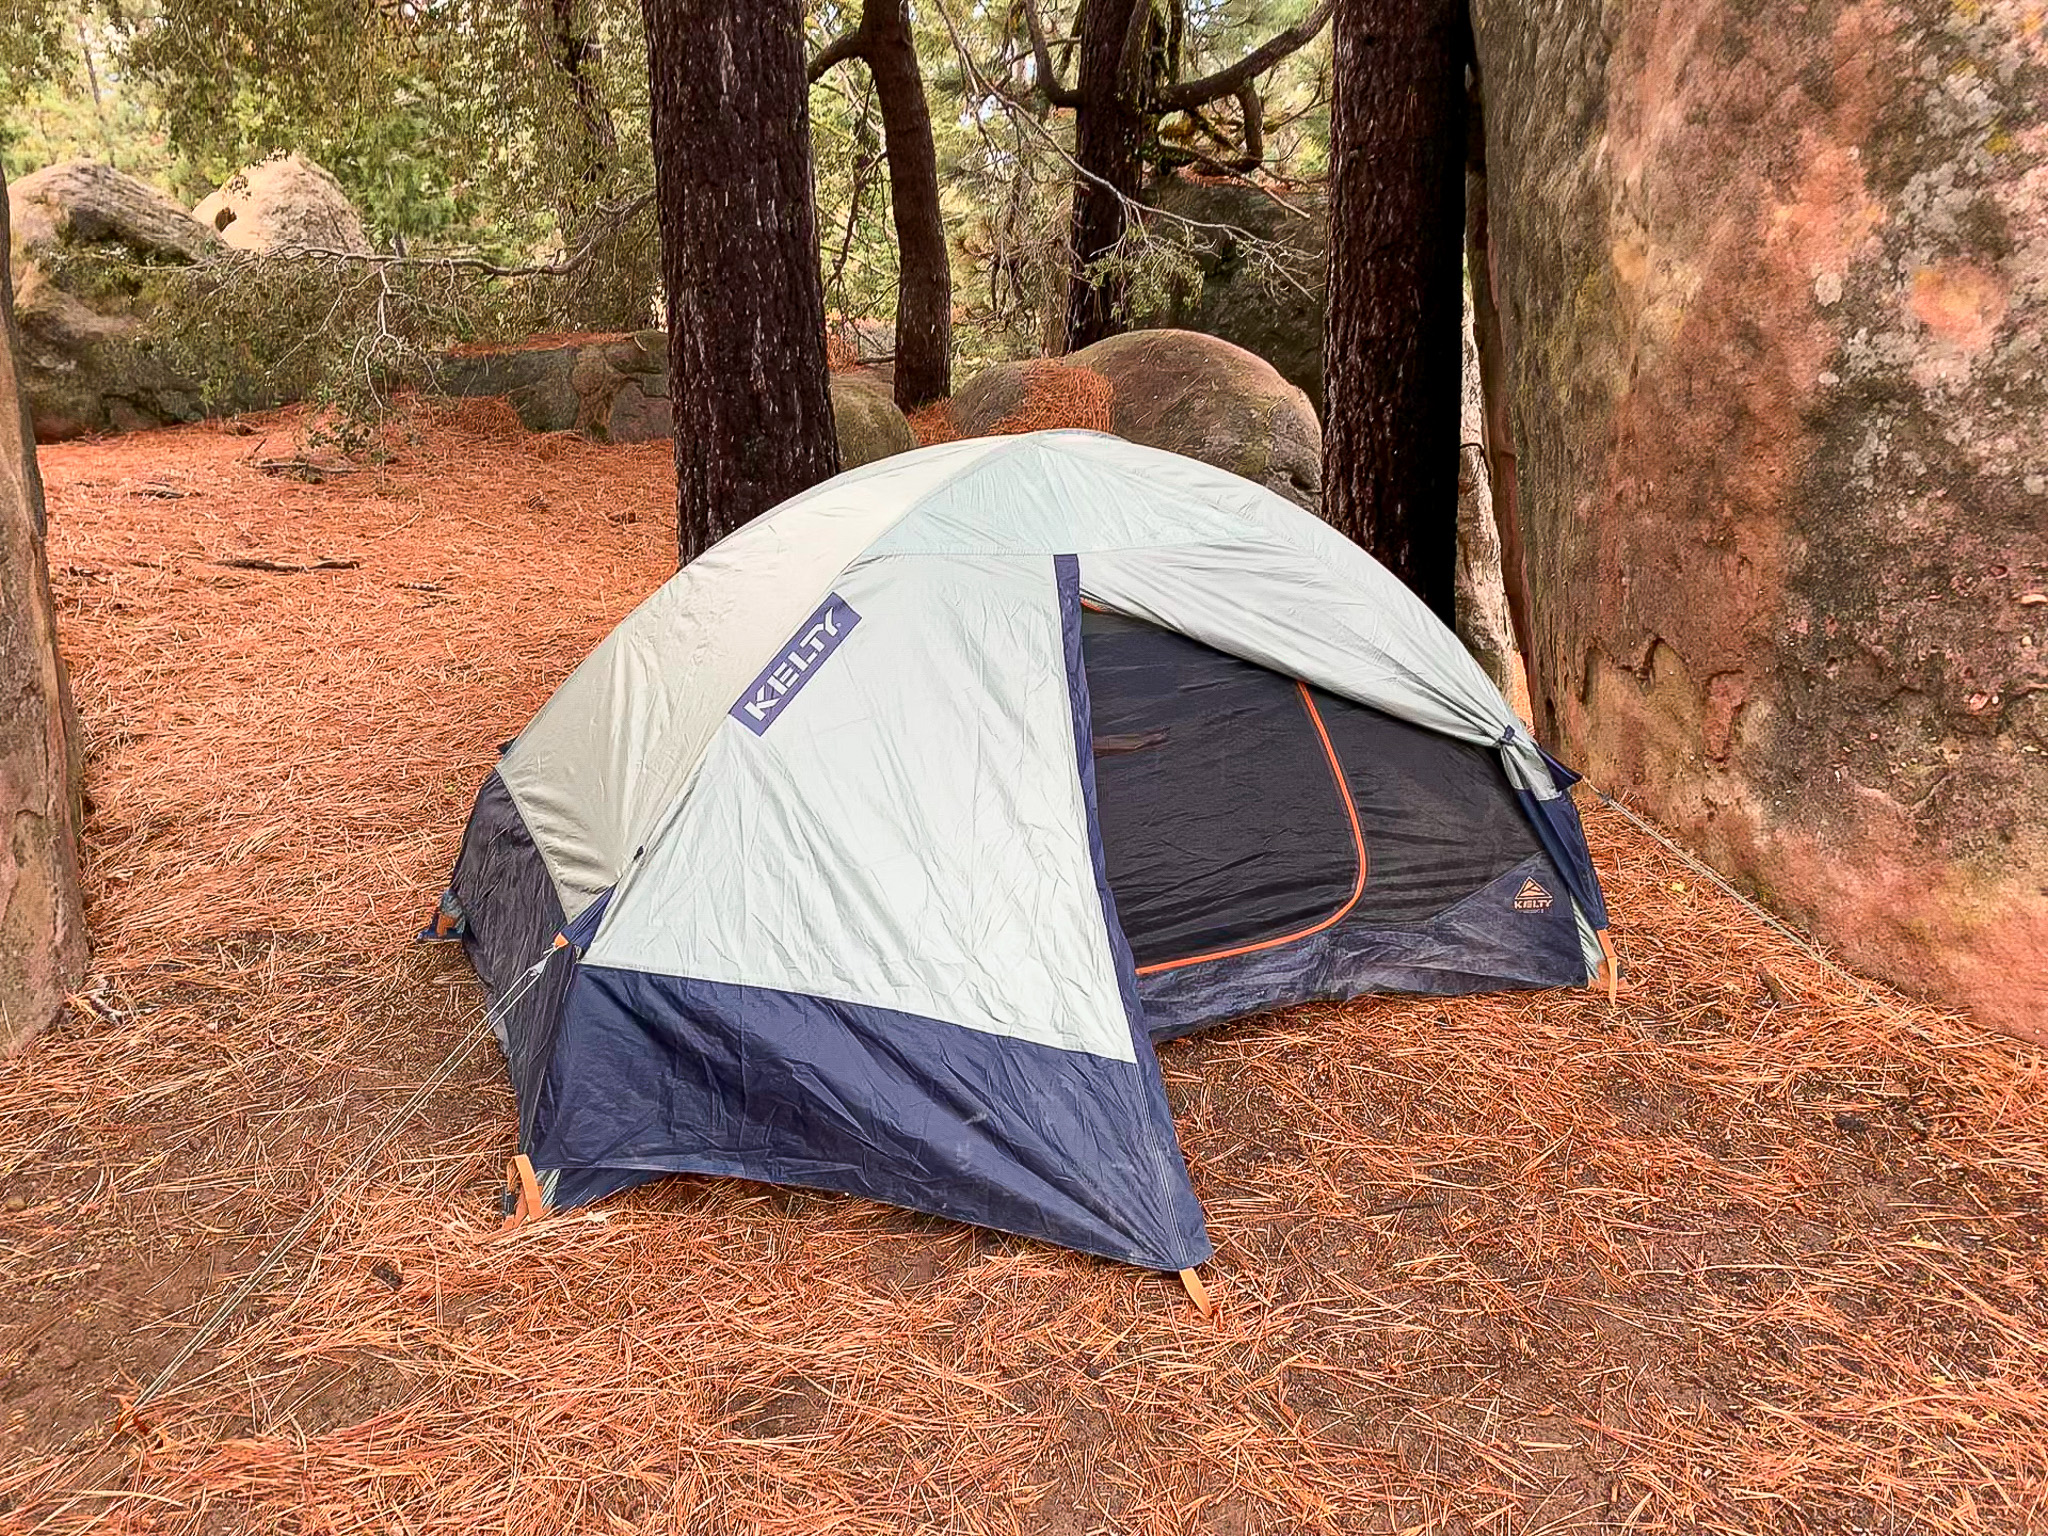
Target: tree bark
(1484,621)
(739,256)
(1498,433)
(43,944)
(1391,341)
(924,274)
(1111,125)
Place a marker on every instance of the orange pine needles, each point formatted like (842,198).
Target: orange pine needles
(1742,1253)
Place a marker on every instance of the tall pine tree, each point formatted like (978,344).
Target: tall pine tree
(924,275)
(1391,342)
(739,258)
(1129,78)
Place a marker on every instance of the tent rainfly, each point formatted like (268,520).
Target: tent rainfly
(876,850)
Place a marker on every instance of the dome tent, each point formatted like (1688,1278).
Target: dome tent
(875,850)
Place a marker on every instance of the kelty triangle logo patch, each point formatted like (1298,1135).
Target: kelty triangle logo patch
(1532,898)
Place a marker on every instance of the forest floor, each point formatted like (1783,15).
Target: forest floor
(1755,1249)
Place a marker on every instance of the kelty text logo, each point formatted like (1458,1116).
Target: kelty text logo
(793,665)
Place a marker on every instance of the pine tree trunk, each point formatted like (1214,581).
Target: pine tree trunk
(924,275)
(43,943)
(739,257)
(1109,141)
(1391,340)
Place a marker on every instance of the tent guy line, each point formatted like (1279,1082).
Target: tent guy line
(329,1191)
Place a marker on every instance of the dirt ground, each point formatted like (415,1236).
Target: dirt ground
(1756,1249)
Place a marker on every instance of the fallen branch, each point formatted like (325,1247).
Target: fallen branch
(250,563)
(617,218)
(304,469)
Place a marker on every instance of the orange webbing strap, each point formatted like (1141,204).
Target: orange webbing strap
(520,1179)
(1198,1293)
(1610,967)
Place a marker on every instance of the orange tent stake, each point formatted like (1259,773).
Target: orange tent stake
(520,1179)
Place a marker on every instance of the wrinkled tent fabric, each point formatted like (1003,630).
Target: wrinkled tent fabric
(876,849)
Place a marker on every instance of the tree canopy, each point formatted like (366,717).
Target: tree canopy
(515,129)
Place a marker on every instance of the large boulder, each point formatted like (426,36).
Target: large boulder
(83,205)
(284,204)
(1030,396)
(1774,284)
(615,389)
(1259,258)
(90,247)
(1188,393)
(612,388)
(867,422)
(1205,398)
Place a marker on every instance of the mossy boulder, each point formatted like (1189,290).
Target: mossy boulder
(867,422)
(993,401)
(612,388)
(615,389)
(1179,390)
(91,250)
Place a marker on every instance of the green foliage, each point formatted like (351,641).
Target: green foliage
(856,238)
(31,43)
(514,130)
(1005,155)
(491,124)
(497,126)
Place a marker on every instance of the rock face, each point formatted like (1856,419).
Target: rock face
(42,918)
(284,204)
(1774,287)
(86,364)
(1280,318)
(1188,393)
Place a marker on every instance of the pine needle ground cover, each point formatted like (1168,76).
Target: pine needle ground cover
(1755,1248)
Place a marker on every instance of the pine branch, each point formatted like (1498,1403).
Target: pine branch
(1228,82)
(1041,58)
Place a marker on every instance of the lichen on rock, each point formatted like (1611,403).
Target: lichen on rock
(91,247)
(1775,287)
